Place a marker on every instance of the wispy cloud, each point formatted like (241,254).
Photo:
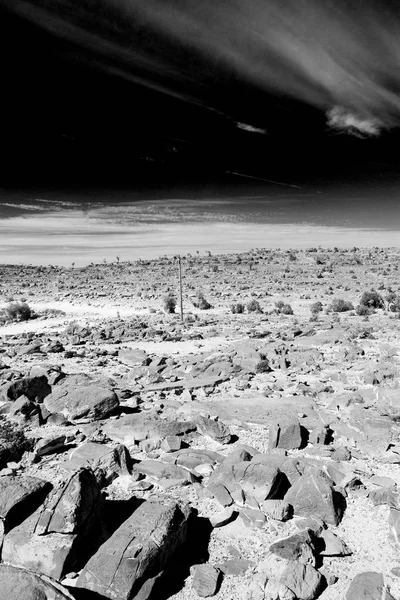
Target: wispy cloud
(341,57)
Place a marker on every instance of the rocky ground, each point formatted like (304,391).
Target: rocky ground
(248,454)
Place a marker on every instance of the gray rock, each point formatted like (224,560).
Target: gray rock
(333,545)
(216,430)
(236,566)
(106,462)
(313,495)
(34,388)
(366,586)
(223,517)
(162,472)
(285,435)
(20,496)
(82,398)
(299,546)
(58,535)
(133,428)
(20,584)
(125,566)
(220,493)
(303,580)
(277,509)
(206,580)
(49,445)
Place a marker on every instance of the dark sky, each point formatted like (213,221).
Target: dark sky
(127,91)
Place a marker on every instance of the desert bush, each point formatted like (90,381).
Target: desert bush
(371,299)
(254,306)
(363,311)
(237,308)
(17,311)
(201,303)
(393,302)
(339,305)
(282,308)
(316,308)
(169,303)
(13,442)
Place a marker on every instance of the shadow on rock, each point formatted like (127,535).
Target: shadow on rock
(195,551)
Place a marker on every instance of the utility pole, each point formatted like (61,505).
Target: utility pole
(180,285)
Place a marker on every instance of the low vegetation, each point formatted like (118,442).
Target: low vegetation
(339,305)
(16,311)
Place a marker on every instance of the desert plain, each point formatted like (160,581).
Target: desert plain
(247,450)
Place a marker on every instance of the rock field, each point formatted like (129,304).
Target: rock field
(250,451)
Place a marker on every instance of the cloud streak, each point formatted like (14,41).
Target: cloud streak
(337,55)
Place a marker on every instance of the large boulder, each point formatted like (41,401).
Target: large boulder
(313,495)
(20,584)
(57,537)
(303,580)
(262,480)
(128,563)
(366,586)
(20,495)
(82,398)
(34,388)
(106,462)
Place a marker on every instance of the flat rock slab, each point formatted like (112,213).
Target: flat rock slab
(20,584)
(158,471)
(137,551)
(186,384)
(254,408)
(137,427)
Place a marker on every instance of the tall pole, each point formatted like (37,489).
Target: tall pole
(180,285)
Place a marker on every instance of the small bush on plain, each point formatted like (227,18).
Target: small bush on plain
(201,302)
(169,303)
(237,309)
(339,305)
(17,311)
(254,306)
(316,308)
(371,299)
(363,311)
(282,308)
